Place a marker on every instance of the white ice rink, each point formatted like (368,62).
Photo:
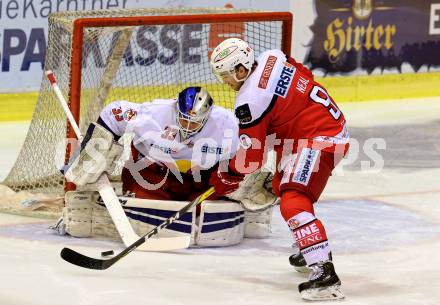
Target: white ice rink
(383,227)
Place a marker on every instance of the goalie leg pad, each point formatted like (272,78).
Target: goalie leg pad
(146,214)
(85,215)
(221,223)
(85,219)
(258,224)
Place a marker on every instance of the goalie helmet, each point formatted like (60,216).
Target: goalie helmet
(230,53)
(193,107)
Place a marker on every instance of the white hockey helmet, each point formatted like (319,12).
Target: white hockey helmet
(193,107)
(230,53)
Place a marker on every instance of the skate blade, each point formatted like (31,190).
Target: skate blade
(332,293)
(302,269)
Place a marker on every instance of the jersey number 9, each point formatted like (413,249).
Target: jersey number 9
(319,95)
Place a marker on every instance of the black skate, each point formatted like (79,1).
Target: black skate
(299,263)
(323,284)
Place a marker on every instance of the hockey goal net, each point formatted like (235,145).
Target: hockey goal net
(134,55)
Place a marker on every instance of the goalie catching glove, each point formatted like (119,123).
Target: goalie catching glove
(225,182)
(96,155)
(254,191)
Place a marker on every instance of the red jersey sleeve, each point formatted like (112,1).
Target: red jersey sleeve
(251,154)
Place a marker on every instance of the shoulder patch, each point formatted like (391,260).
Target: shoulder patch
(245,141)
(267,71)
(243,114)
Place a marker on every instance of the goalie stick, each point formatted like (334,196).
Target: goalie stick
(84,261)
(110,199)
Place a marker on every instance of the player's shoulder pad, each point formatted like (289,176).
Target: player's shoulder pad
(160,103)
(265,55)
(120,104)
(163,102)
(256,97)
(223,118)
(251,108)
(158,106)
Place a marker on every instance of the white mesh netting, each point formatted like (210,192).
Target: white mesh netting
(134,63)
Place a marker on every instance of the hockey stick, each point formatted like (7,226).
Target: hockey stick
(110,199)
(81,260)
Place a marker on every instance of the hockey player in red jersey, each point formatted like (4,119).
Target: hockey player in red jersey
(280,106)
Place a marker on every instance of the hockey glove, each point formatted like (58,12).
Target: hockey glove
(96,155)
(253,194)
(225,182)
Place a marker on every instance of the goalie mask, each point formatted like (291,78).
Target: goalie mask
(229,54)
(193,107)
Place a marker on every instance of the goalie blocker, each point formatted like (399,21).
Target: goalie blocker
(220,223)
(97,155)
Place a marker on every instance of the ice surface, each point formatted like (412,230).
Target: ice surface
(383,226)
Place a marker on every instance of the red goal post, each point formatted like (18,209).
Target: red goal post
(95,66)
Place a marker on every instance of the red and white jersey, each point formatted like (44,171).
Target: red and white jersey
(156,135)
(281,98)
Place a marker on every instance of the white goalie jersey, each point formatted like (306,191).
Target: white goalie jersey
(156,135)
(157,138)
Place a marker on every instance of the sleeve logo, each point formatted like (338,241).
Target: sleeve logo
(225,53)
(245,141)
(285,80)
(129,114)
(267,71)
(243,114)
(126,116)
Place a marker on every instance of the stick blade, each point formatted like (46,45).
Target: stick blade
(165,244)
(81,260)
